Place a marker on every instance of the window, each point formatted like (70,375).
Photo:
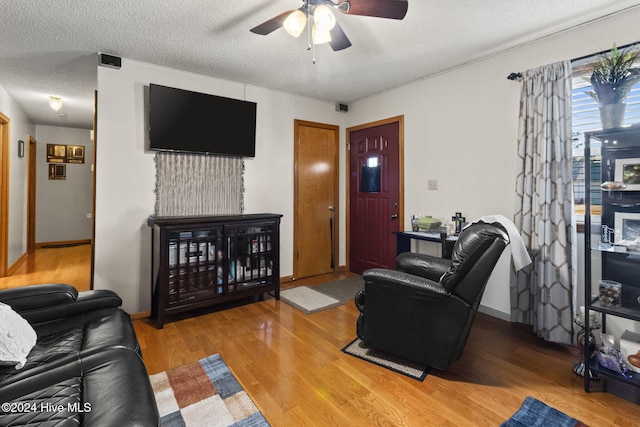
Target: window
(586,117)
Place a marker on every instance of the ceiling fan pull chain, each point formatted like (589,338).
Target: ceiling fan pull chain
(309,25)
(310,45)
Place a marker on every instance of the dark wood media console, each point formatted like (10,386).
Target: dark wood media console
(200,261)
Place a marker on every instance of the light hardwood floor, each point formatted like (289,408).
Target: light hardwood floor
(71,265)
(292,366)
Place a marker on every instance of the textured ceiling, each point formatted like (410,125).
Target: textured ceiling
(49,47)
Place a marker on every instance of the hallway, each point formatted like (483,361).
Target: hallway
(70,265)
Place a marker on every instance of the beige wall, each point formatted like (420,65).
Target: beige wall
(126,171)
(461,127)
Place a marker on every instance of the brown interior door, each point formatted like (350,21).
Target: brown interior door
(316,157)
(375,202)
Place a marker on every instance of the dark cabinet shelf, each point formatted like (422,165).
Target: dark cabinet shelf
(200,261)
(619,311)
(595,366)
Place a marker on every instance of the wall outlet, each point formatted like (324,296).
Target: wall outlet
(432,184)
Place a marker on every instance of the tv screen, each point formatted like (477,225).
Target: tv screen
(181,120)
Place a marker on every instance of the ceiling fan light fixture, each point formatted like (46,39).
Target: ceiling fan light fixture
(320,36)
(55,102)
(295,22)
(323,18)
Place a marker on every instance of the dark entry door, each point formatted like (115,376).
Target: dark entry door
(375,209)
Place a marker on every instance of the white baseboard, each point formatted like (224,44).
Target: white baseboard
(495,313)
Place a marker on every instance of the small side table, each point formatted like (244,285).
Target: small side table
(582,365)
(404,238)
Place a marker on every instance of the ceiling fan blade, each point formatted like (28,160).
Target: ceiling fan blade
(271,25)
(339,39)
(393,9)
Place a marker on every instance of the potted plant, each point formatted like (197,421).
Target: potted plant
(612,78)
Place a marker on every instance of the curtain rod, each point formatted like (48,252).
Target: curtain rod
(518,76)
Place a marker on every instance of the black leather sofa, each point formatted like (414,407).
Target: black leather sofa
(86,367)
(423,310)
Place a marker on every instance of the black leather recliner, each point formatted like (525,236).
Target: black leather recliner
(423,310)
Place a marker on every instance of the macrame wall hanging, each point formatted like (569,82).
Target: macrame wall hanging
(196,184)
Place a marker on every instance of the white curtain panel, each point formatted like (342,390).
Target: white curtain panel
(196,184)
(544,294)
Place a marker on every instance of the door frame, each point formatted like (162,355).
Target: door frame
(31,195)
(336,190)
(397,119)
(94,162)
(4,193)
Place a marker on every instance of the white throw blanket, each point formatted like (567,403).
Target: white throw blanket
(519,252)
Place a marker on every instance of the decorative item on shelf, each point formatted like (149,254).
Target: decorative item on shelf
(612,78)
(414,223)
(613,185)
(581,366)
(459,221)
(610,358)
(607,236)
(429,223)
(630,350)
(610,293)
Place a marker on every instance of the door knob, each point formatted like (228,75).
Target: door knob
(332,208)
(394,216)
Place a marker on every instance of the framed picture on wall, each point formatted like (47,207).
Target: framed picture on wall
(628,172)
(56,153)
(57,171)
(75,153)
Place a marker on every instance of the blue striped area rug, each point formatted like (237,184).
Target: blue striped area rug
(536,413)
(204,393)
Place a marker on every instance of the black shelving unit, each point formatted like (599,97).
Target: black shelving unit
(619,262)
(200,261)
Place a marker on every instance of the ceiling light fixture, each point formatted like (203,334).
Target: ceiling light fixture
(55,102)
(295,22)
(320,36)
(319,18)
(323,18)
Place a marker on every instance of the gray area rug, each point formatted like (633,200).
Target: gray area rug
(307,300)
(322,297)
(343,290)
(411,369)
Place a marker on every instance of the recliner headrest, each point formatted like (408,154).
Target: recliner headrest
(471,244)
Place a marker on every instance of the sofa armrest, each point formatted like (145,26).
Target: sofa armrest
(422,265)
(42,303)
(38,296)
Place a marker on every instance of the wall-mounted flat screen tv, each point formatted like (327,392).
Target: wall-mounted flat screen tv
(185,121)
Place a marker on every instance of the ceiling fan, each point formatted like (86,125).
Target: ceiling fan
(323,27)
